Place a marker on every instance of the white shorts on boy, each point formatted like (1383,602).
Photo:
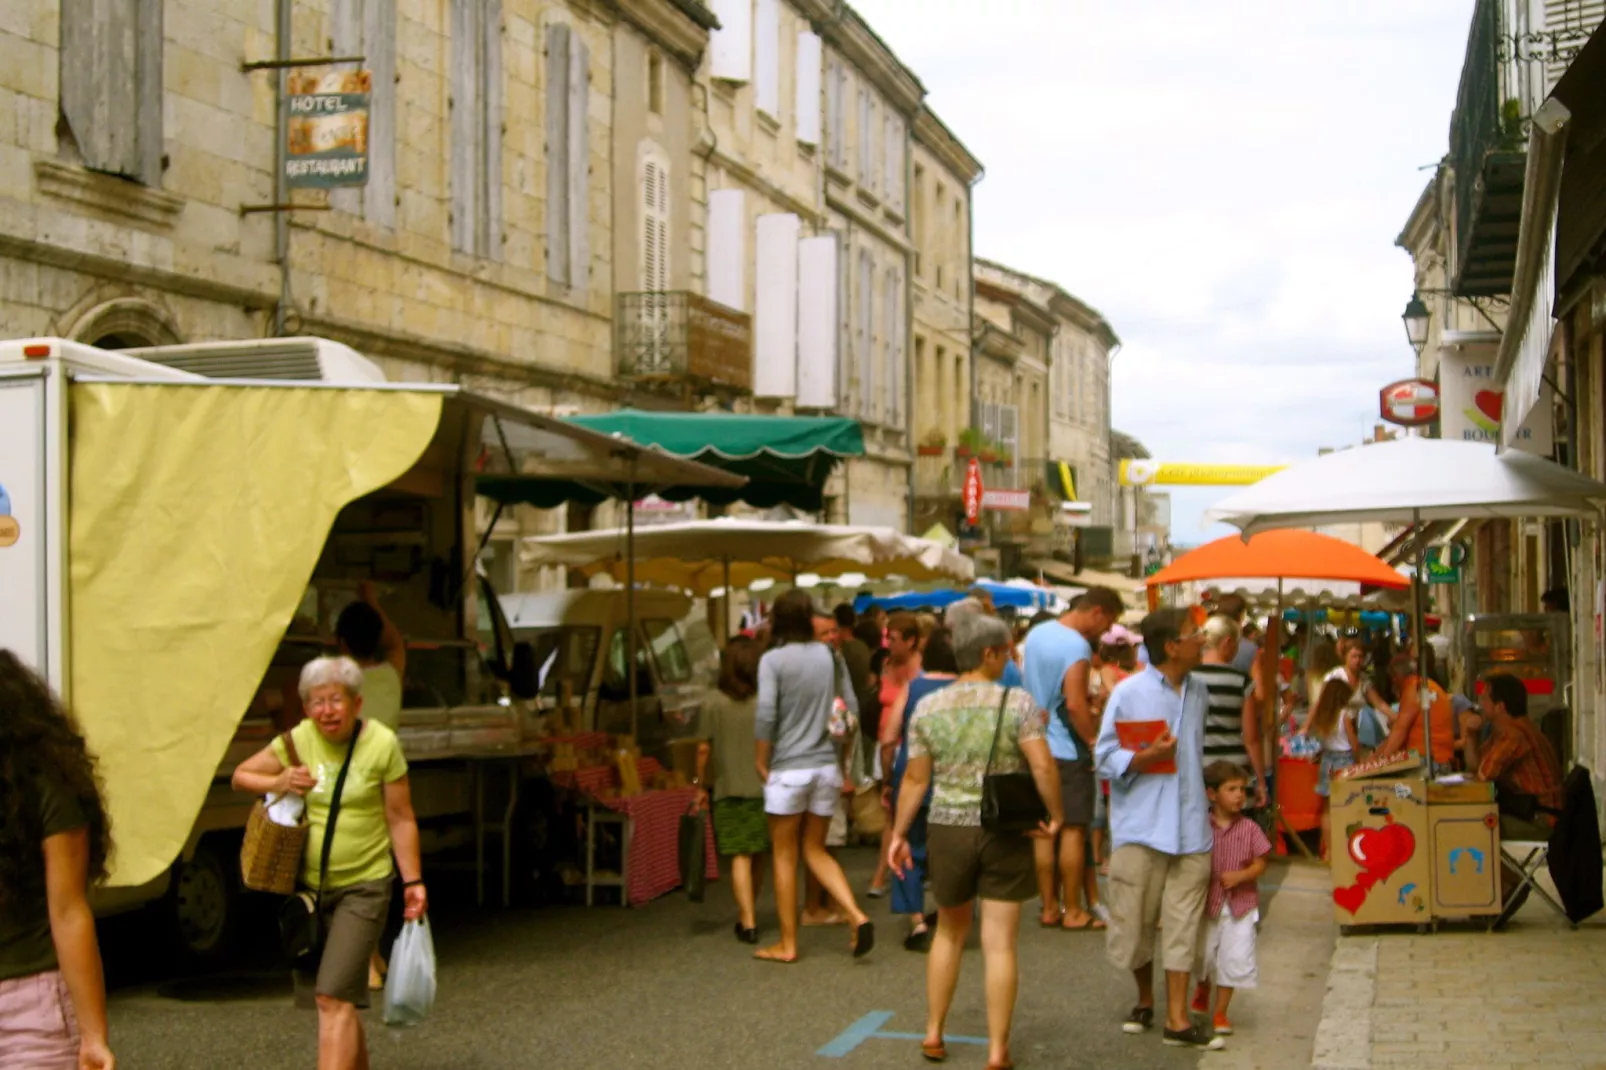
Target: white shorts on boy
(1227,955)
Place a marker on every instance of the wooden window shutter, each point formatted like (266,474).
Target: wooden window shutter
(731,46)
(767,58)
(894,349)
(807,83)
(490,162)
(655,225)
(818,321)
(557,153)
(836,116)
(727,247)
(775,305)
(868,402)
(111,85)
(467,126)
(579,161)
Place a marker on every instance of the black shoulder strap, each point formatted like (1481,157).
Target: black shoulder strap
(334,809)
(997,728)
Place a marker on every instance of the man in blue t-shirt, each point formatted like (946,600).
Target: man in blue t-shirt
(1059,661)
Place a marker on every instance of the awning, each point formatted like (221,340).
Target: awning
(1130,590)
(786,459)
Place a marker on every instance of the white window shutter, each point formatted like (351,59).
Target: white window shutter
(866,169)
(557,153)
(727,248)
(895,160)
(893,348)
(654,225)
(807,105)
(818,291)
(836,92)
(868,402)
(767,58)
(579,163)
(731,46)
(775,306)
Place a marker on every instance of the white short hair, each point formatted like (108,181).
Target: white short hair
(1219,628)
(320,672)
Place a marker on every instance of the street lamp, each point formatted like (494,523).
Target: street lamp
(1416,322)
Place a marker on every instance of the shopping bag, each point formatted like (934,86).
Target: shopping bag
(694,854)
(410,986)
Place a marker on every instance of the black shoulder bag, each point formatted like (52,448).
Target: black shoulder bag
(1010,802)
(301,916)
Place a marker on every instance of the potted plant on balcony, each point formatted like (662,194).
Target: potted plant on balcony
(1006,456)
(970,442)
(932,444)
(988,452)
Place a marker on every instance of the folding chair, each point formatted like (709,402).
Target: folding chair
(1577,862)
(1529,858)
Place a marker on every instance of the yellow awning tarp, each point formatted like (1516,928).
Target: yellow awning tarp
(198,515)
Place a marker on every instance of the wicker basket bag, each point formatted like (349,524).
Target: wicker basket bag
(270,857)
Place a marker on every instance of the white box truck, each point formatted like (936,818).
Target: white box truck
(174,546)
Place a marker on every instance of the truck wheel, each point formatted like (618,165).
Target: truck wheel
(203,905)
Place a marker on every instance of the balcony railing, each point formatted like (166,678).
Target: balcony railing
(675,336)
(943,476)
(1487,155)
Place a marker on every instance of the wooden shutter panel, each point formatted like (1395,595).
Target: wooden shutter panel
(775,306)
(867,378)
(579,162)
(894,349)
(807,104)
(767,58)
(379,48)
(818,328)
(655,226)
(467,126)
(490,164)
(727,248)
(557,153)
(99,65)
(835,94)
(731,46)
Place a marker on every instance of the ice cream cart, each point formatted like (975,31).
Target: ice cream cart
(1408,851)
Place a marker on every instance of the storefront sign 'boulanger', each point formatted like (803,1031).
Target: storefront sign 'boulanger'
(1143,473)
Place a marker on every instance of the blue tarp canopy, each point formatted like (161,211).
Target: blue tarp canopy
(1005,596)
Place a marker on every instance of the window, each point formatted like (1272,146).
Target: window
(111,85)
(568,157)
(767,58)
(368,28)
(654,223)
(867,171)
(895,160)
(476,111)
(563,656)
(808,88)
(864,336)
(615,687)
(668,651)
(836,90)
(655,81)
(892,349)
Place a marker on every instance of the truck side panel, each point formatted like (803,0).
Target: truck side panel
(25,531)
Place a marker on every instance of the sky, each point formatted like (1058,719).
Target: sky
(1223,180)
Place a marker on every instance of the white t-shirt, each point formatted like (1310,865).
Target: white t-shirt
(1358,701)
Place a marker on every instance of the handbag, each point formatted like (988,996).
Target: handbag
(1010,802)
(301,916)
(270,855)
(694,854)
(842,723)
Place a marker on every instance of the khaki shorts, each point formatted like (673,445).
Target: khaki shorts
(967,862)
(353,918)
(1145,887)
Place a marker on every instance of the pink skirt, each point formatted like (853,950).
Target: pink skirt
(38,1028)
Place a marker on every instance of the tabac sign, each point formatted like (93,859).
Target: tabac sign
(326,136)
(1409,403)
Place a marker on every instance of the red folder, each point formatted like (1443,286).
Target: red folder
(1136,735)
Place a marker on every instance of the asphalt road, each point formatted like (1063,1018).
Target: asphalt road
(667,985)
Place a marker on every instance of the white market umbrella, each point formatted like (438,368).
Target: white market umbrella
(705,555)
(1410,480)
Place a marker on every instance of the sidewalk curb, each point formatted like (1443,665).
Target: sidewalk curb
(1344,1037)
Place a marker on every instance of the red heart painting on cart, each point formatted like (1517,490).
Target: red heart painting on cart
(1489,402)
(1378,852)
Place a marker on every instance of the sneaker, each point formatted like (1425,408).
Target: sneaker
(1195,1036)
(1223,1027)
(1141,1020)
(1201,998)
(1101,912)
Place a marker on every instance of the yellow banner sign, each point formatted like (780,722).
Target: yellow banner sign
(1136,473)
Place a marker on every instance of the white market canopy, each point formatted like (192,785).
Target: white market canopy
(702,556)
(1411,480)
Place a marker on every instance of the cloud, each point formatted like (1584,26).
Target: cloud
(1223,180)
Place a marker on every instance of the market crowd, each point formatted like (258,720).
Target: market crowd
(1141,757)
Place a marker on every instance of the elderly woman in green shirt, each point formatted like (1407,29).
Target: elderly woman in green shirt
(375,820)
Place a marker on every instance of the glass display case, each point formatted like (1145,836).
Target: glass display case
(1534,647)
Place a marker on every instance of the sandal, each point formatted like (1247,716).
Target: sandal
(1059,919)
(933,1053)
(918,940)
(863,939)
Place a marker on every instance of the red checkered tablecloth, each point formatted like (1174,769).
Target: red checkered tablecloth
(596,779)
(655,841)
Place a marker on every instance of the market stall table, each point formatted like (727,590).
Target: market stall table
(649,824)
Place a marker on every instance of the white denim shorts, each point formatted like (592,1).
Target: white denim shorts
(794,791)
(1227,956)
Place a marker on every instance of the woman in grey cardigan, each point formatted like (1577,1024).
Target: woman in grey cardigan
(801,766)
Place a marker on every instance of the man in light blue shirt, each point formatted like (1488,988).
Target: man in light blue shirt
(1159,822)
(1059,660)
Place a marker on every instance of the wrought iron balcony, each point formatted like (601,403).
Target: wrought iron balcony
(1488,155)
(681,337)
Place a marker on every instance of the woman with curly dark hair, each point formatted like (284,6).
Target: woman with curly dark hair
(54,841)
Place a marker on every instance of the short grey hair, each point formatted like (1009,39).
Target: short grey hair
(973,634)
(320,672)
(964,607)
(1219,628)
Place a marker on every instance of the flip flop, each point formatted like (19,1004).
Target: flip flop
(933,1053)
(1059,920)
(1091,925)
(863,939)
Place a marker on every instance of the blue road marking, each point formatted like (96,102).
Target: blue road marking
(869,1027)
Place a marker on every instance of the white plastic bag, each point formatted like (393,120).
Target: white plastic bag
(410,985)
(286,809)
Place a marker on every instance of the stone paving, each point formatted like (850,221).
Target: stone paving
(1528,996)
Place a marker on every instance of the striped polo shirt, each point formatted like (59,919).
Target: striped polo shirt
(1224,723)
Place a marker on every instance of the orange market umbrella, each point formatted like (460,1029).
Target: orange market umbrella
(1282,554)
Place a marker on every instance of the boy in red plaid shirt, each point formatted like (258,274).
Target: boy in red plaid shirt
(1232,909)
